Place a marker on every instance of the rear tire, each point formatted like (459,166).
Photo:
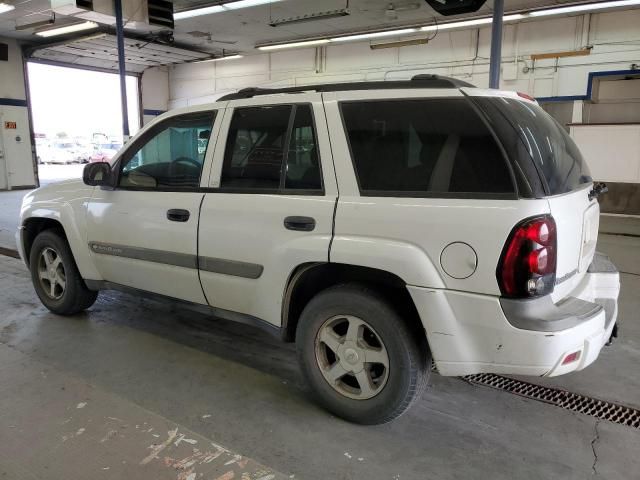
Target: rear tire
(55,276)
(361,359)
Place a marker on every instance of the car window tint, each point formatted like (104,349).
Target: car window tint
(255,148)
(303,167)
(170,155)
(546,142)
(430,145)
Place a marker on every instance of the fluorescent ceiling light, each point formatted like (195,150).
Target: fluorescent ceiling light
(246,4)
(197,12)
(309,43)
(76,27)
(584,8)
(464,23)
(470,23)
(228,57)
(224,7)
(362,36)
(5,7)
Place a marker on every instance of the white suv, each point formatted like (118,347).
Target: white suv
(379,225)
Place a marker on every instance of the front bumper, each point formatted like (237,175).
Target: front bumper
(471,333)
(20,243)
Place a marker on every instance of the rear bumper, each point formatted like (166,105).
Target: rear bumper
(471,333)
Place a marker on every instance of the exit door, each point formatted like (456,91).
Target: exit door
(16,157)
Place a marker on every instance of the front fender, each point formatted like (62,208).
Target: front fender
(403,259)
(66,204)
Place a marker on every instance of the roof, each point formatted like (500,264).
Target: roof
(418,81)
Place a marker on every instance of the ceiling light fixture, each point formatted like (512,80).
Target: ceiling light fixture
(219,59)
(5,7)
(224,7)
(588,7)
(310,17)
(246,4)
(197,12)
(363,36)
(399,43)
(76,27)
(470,23)
(309,43)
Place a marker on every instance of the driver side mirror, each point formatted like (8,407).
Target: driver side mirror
(98,173)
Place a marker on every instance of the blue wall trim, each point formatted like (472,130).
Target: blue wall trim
(592,75)
(154,113)
(12,102)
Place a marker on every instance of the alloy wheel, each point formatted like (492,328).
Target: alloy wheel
(51,274)
(352,357)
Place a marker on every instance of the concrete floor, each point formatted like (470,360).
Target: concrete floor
(98,395)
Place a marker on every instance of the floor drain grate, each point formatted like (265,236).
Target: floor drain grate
(561,398)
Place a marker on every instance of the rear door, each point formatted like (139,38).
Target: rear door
(565,182)
(270,205)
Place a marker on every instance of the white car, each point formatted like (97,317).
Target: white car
(378,225)
(64,152)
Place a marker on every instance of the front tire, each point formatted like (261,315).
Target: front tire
(55,276)
(360,358)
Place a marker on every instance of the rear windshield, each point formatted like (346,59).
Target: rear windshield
(556,157)
(426,147)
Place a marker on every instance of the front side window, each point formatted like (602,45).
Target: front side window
(271,148)
(170,155)
(424,148)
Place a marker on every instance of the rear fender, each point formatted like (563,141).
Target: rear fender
(405,260)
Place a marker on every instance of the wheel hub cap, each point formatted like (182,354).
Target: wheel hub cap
(352,357)
(51,273)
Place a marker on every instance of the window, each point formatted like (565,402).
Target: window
(303,168)
(170,155)
(422,147)
(263,140)
(553,151)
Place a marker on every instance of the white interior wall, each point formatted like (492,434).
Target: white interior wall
(463,54)
(16,151)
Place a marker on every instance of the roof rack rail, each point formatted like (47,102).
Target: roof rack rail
(417,81)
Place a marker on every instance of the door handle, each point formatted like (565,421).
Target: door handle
(178,215)
(302,224)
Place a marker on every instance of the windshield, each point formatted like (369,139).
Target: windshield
(556,156)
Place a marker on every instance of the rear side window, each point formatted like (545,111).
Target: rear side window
(556,157)
(427,147)
(271,148)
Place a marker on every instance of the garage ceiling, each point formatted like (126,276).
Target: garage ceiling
(234,31)
(241,30)
(100,51)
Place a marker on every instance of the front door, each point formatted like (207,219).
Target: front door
(271,203)
(143,234)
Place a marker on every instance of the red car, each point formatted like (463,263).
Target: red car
(104,152)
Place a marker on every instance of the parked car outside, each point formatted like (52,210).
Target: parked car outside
(104,152)
(381,226)
(84,149)
(61,152)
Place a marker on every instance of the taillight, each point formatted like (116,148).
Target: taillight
(527,267)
